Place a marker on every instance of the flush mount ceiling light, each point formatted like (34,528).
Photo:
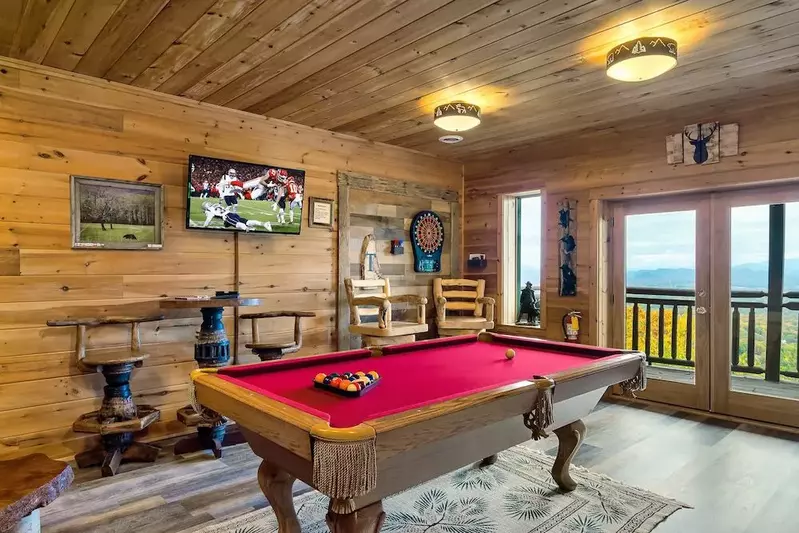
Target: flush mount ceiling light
(456,116)
(642,59)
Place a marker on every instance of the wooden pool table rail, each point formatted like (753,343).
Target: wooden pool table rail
(265,415)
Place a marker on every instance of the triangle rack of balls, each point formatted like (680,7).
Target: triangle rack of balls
(350,384)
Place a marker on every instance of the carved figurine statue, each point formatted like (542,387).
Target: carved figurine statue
(527,305)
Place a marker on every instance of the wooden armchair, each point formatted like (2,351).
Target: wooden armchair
(462,307)
(118,418)
(374,299)
(269,351)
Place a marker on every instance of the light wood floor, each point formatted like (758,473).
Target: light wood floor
(739,478)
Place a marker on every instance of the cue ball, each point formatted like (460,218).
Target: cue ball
(510,354)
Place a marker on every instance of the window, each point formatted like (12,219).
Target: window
(522,236)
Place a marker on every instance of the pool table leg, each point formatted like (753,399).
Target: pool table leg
(570,437)
(276,485)
(368,519)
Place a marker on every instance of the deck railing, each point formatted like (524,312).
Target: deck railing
(661,323)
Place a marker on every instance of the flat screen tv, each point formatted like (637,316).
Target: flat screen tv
(234,196)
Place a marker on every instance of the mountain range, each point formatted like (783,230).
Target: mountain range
(744,276)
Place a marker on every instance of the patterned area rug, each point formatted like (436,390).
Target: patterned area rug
(515,495)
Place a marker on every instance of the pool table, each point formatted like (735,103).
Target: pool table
(439,405)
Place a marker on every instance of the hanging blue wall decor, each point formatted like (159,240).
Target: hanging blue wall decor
(568,246)
(427,238)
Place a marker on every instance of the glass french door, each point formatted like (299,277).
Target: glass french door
(756,304)
(708,287)
(660,294)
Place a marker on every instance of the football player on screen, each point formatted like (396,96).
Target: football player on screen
(286,192)
(231,219)
(229,187)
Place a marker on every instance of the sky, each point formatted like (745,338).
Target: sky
(667,240)
(530,250)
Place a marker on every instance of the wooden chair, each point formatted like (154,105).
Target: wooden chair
(26,485)
(119,418)
(272,351)
(462,307)
(374,300)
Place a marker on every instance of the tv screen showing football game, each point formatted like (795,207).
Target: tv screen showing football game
(235,196)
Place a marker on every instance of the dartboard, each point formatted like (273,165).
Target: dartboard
(427,237)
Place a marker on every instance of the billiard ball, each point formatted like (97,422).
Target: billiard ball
(360,374)
(345,384)
(335,382)
(353,387)
(372,374)
(320,378)
(510,354)
(328,379)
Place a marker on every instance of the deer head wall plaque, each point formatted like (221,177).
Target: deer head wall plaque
(702,144)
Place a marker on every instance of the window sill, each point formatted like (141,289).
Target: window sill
(520,329)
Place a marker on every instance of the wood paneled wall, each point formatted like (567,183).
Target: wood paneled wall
(627,160)
(53,124)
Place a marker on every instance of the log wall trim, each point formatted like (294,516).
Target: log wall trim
(53,124)
(348,182)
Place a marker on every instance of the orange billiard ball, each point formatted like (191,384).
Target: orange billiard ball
(510,354)
(344,385)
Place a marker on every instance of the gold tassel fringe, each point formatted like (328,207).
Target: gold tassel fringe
(636,383)
(542,414)
(344,470)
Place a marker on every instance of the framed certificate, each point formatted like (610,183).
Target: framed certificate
(321,213)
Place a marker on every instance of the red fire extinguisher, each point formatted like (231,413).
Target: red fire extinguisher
(571,326)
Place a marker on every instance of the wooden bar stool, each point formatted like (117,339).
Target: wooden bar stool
(272,351)
(119,418)
(462,308)
(26,485)
(373,301)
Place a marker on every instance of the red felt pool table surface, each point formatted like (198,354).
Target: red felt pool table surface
(412,375)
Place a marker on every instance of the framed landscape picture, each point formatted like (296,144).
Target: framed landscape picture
(116,214)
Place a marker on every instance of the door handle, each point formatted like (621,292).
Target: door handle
(701,311)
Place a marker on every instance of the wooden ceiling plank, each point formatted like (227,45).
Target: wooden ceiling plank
(730,65)
(538,53)
(315,48)
(392,20)
(33,20)
(694,84)
(85,21)
(599,142)
(457,29)
(47,34)
(289,100)
(570,74)
(172,22)
(480,52)
(303,22)
(245,33)
(124,26)
(11,13)
(603,159)
(489,27)
(215,23)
